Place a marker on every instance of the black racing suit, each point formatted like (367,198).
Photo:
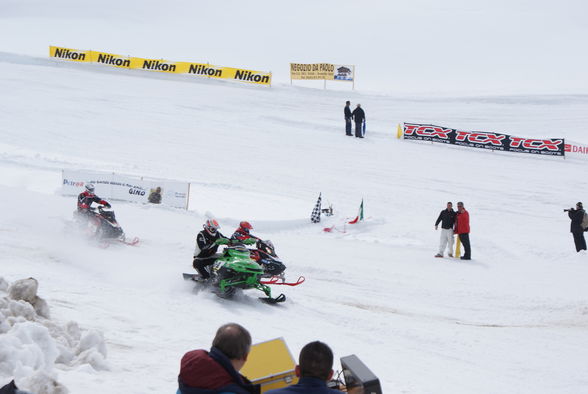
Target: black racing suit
(204,253)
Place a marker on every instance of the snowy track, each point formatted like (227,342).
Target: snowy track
(512,320)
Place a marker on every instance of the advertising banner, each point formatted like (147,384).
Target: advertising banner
(127,188)
(344,72)
(484,140)
(576,150)
(74,55)
(110,59)
(322,71)
(165,66)
(159,65)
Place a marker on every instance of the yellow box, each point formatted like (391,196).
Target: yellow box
(270,364)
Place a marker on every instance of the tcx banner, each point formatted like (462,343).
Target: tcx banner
(484,140)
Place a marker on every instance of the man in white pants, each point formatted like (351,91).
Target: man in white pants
(447,220)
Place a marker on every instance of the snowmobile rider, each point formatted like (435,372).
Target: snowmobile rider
(206,247)
(86,198)
(242,234)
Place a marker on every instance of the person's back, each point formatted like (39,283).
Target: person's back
(358,114)
(314,371)
(217,371)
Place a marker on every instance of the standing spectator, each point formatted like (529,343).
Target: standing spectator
(314,370)
(218,370)
(359,117)
(462,229)
(347,113)
(577,216)
(447,220)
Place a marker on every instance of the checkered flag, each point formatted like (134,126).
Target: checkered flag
(315,217)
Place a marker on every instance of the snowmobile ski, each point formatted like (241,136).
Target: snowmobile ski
(272,301)
(276,280)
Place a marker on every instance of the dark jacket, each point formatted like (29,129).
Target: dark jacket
(205,244)
(462,222)
(86,199)
(10,388)
(203,372)
(358,115)
(347,112)
(577,215)
(447,219)
(306,385)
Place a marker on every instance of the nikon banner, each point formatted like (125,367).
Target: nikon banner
(73,55)
(322,71)
(484,140)
(160,65)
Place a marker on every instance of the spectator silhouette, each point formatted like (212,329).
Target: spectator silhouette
(204,372)
(314,370)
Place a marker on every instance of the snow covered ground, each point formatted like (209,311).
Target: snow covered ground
(514,319)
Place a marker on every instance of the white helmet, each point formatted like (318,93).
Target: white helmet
(211,226)
(90,187)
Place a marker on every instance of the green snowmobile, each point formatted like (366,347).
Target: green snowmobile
(236,270)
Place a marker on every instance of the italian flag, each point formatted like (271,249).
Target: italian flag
(359,216)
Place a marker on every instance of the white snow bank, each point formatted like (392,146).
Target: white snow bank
(32,345)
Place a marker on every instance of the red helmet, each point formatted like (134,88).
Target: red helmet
(211,226)
(245,226)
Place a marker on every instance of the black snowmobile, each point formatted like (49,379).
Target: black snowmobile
(265,255)
(103,226)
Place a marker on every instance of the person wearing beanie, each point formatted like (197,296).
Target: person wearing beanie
(576,228)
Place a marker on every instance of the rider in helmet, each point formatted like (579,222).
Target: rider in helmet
(206,247)
(87,197)
(242,233)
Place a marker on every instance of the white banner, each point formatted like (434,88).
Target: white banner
(576,150)
(127,188)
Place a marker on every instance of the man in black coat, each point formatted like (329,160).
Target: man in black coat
(347,113)
(577,215)
(359,117)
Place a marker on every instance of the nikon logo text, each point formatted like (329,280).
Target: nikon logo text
(248,76)
(200,69)
(67,54)
(156,65)
(113,61)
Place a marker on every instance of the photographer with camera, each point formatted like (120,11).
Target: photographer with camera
(576,228)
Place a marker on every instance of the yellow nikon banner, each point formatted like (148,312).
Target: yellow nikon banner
(154,65)
(74,55)
(160,65)
(322,71)
(110,59)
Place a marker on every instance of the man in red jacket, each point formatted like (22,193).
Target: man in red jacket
(462,229)
(217,371)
